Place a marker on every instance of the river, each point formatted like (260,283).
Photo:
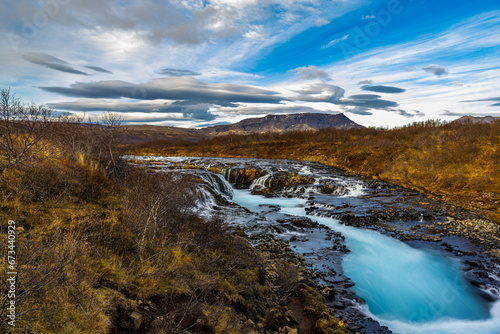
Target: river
(410,287)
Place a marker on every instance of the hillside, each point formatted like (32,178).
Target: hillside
(284,123)
(132,134)
(475,119)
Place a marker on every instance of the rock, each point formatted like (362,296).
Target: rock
(293,238)
(137,319)
(290,316)
(240,233)
(301,257)
(303,222)
(339,305)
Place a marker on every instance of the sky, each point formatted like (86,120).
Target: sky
(196,63)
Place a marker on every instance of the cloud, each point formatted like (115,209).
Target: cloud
(311,72)
(334,94)
(198,111)
(85,105)
(367,17)
(365,82)
(482,100)
(213,124)
(321,22)
(320,93)
(370,103)
(491,99)
(436,70)
(383,89)
(99,69)
(363,111)
(456,83)
(366,97)
(335,41)
(257,110)
(404,113)
(52,62)
(174,88)
(175,72)
(196,100)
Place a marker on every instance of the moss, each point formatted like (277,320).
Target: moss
(314,306)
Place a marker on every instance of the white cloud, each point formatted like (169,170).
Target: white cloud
(335,41)
(311,73)
(321,22)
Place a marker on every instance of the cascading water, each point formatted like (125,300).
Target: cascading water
(261,182)
(228,175)
(218,183)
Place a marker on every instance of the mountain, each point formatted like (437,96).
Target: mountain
(133,134)
(475,119)
(283,123)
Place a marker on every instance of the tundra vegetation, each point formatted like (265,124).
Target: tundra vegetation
(103,247)
(455,162)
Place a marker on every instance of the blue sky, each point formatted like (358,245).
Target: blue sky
(194,63)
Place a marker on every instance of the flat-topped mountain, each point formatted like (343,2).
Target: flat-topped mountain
(131,134)
(284,123)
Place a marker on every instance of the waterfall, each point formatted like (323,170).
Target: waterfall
(227,173)
(262,182)
(218,184)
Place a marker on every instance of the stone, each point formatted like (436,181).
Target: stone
(339,305)
(301,257)
(137,319)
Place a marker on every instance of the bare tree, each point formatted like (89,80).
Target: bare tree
(95,140)
(23,128)
(111,127)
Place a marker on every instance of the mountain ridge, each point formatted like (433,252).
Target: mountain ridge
(284,123)
(133,134)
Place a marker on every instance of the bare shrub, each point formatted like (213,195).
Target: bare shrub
(23,128)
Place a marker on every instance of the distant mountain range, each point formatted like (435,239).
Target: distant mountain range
(270,123)
(475,119)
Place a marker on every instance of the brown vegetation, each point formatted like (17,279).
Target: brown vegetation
(454,162)
(102,247)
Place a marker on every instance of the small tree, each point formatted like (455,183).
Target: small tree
(22,129)
(94,141)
